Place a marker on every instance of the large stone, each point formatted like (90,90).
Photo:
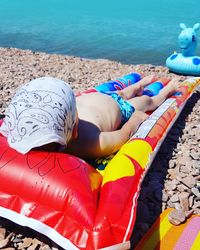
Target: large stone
(184,201)
(176,217)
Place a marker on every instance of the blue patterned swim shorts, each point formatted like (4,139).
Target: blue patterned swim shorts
(126,108)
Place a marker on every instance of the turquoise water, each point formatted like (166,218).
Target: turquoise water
(129,31)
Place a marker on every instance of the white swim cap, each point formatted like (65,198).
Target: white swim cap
(42,111)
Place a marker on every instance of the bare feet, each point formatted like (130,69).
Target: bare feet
(163,80)
(144,82)
(147,80)
(172,87)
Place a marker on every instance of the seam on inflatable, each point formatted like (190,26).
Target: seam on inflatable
(37,226)
(133,207)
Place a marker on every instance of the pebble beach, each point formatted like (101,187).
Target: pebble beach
(173,179)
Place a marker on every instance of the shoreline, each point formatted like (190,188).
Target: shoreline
(180,147)
(20,66)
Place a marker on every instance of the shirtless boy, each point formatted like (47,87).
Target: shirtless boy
(45,111)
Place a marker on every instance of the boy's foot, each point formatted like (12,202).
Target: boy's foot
(144,82)
(147,80)
(172,86)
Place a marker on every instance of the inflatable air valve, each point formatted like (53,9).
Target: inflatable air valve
(153,89)
(119,83)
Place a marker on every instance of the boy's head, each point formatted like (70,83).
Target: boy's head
(41,112)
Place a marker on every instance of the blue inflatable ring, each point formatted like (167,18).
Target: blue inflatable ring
(186,63)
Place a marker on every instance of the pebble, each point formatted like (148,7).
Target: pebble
(174,198)
(182,188)
(191,201)
(188,181)
(177,205)
(2,233)
(176,217)
(186,169)
(184,201)
(4,242)
(173,177)
(173,173)
(170,186)
(26,243)
(196,192)
(165,197)
(196,204)
(194,155)
(45,247)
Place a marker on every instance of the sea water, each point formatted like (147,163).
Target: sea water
(129,31)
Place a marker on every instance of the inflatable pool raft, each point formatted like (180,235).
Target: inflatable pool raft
(186,62)
(71,202)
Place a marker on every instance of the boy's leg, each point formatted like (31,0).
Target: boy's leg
(134,89)
(146,103)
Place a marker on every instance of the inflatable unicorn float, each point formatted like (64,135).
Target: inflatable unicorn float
(186,63)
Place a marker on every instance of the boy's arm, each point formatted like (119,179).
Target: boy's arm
(110,142)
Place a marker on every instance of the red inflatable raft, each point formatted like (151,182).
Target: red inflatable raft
(72,203)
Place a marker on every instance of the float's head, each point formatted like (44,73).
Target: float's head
(188,39)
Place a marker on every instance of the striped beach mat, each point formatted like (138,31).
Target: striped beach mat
(165,236)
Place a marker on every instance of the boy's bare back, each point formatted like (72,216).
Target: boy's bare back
(45,111)
(100,131)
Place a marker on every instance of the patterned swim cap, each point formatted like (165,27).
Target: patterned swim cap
(42,111)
